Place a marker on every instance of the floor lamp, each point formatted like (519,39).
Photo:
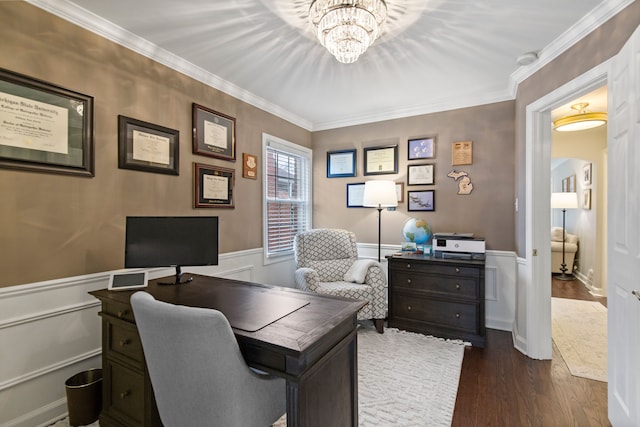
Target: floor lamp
(379,195)
(564,201)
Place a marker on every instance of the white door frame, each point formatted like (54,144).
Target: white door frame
(537,272)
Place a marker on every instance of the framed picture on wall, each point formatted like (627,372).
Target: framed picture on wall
(586,199)
(214,133)
(423,200)
(147,147)
(421,148)
(420,174)
(213,186)
(341,163)
(381,160)
(586,174)
(44,127)
(355,195)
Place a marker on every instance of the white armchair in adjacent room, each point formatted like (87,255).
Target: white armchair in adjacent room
(570,249)
(327,263)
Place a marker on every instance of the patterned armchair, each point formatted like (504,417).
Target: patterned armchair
(328,263)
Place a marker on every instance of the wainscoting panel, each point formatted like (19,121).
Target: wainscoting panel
(51,330)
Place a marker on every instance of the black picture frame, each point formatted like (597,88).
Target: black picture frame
(147,147)
(214,133)
(355,194)
(213,186)
(422,174)
(421,200)
(421,148)
(45,127)
(382,160)
(341,163)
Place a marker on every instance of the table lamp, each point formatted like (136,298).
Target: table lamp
(564,201)
(380,194)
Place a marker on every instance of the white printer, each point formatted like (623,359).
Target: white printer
(458,245)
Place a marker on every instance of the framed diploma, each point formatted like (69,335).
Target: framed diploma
(462,153)
(214,134)
(213,186)
(420,174)
(381,160)
(341,164)
(44,128)
(421,148)
(355,195)
(147,147)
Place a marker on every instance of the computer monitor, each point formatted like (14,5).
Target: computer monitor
(171,241)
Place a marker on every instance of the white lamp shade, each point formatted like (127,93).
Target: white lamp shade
(380,194)
(564,200)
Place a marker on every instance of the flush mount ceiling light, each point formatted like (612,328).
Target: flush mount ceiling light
(347,27)
(581,121)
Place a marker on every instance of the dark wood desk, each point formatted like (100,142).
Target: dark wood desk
(314,349)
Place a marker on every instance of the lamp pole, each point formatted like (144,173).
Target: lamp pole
(563,266)
(379,229)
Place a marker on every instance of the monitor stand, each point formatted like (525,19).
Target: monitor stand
(178,279)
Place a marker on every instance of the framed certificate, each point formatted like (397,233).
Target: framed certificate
(420,174)
(355,195)
(341,164)
(213,186)
(147,147)
(214,134)
(44,128)
(381,160)
(462,153)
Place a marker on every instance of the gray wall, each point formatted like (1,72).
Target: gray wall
(487,211)
(596,48)
(55,226)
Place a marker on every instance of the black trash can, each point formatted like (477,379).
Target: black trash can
(84,397)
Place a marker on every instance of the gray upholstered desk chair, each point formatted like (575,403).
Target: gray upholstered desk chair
(197,371)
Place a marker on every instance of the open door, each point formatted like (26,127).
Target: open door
(623,246)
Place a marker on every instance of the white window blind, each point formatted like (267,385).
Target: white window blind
(287,194)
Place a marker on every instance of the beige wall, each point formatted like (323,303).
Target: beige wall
(54,226)
(596,48)
(488,211)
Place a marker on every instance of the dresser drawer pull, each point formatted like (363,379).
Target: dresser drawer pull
(457,315)
(457,285)
(408,281)
(125,342)
(409,307)
(125,394)
(457,270)
(408,265)
(122,314)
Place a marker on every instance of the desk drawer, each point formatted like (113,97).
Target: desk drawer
(439,269)
(464,287)
(454,315)
(126,395)
(118,310)
(123,340)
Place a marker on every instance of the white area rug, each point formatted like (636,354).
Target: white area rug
(404,379)
(579,329)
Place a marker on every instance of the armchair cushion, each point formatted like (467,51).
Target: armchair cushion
(358,270)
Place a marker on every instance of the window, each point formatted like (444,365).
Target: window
(286,194)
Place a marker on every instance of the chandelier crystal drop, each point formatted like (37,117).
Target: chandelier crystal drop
(347,27)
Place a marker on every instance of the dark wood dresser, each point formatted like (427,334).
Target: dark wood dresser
(436,296)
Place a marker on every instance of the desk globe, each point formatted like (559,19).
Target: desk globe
(417,231)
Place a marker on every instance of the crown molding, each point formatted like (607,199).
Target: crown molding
(594,19)
(100,26)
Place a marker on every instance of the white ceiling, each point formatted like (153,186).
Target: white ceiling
(452,53)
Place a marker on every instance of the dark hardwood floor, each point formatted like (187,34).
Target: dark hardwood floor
(499,386)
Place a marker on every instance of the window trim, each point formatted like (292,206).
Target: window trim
(294,149)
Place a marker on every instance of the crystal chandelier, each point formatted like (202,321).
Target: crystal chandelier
(347,27)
